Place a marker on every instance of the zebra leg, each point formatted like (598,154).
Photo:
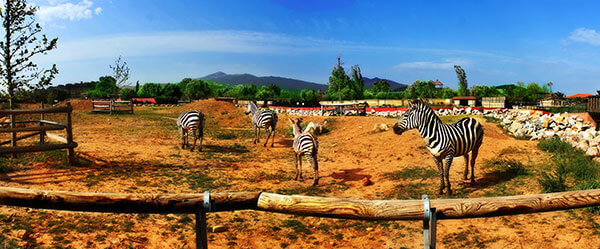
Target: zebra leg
(268,135)
(201,138)
(296,164)
(258,136)
(440,167)
(447,174)
(273,131)
(195,136)
(300,168)
(255,134)
(473,157)
(466,175)
(182,136)
(315,164)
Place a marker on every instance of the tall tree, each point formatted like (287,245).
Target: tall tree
(22,41)
(339,83)
(358,84)
(462,81)
(381,86)
(120,72)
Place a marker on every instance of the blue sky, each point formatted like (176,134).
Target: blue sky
(496,42)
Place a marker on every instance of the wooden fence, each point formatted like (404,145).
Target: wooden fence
(199,204)
(41,130)
(112,106)
(593,104)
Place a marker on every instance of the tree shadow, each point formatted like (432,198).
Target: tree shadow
(349,175)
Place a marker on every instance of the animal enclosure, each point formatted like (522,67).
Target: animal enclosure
(41,130)
(149,160)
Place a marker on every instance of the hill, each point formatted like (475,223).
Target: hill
(282,82)
(369,82)
(244,79)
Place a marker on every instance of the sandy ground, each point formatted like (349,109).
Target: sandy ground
(140,153)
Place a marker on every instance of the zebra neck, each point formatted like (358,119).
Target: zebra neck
(429,126)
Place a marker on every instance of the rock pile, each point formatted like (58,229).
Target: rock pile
(535,126)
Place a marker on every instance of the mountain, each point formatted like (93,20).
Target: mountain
(369,82)
(244,79)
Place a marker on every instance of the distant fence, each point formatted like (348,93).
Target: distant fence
(112,106)
(41,130)
(593,104)
(199,204)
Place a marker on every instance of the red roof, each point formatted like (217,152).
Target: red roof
(465,97)
(580,95)
(438,83)
(149,100)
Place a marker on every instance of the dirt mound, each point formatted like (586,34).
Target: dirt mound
(208,106)
(80,104)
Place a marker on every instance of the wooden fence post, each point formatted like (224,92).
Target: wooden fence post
(42,133)
(70,151)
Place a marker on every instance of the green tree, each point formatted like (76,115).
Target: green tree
(104,88)
(381,86)
(195,89)
(462,80)
(339,83)
(309,95)
(421,89)
(22,41)
(358,85)
(150,90)
(137,86)
(447,93)
(172,91)
(127,94)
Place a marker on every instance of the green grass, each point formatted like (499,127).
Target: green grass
(506,168)
(571,168)
(414,172)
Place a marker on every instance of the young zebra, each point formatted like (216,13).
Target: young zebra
(262,119)
(305,144)
(191,121)
(444,141)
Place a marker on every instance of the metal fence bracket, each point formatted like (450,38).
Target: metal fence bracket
(201,238)
(429,224)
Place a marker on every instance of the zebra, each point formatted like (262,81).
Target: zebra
(262,119)
(191,121)
(444,141)
(305,144)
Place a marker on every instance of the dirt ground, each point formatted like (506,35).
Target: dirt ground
(140,153)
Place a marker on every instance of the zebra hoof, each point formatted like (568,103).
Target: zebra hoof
(472,182)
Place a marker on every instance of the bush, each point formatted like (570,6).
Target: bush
(127,94)
(554,181)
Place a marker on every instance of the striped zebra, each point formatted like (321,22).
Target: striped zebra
(305,144)
(191,121)
(444,141)
(262,119)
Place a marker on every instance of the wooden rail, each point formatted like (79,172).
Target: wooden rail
(41,130)
(112,106)
(299,205)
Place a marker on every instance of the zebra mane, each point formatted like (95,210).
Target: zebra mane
(420,105)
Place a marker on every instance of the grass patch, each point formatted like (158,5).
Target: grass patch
(492,119)
(295,225)
(313,190)
(571,168)
(506,168)
(414,172)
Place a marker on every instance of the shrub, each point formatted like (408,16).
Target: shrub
(554,181)
(556,146)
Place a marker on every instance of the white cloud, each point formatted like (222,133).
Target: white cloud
(584,35)
(67,10)
(430,65)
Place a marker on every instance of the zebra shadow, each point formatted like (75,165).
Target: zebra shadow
(285,142)
(350,175)
(236,148)
(489,179)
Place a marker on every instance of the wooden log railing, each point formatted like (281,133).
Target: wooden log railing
(199,204)
(299,205)
(41,130)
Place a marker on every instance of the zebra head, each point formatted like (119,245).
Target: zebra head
(409,118)
(252,107)
(296,126)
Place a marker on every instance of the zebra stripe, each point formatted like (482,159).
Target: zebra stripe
(191,122)
(266,119)
(305,144)
(444,141)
